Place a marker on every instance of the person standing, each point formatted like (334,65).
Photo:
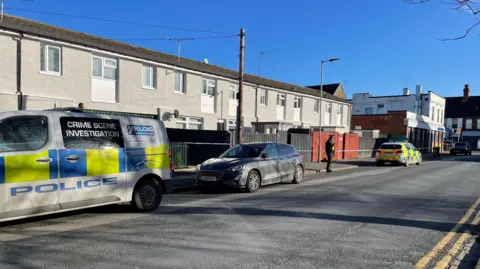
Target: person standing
(330,150)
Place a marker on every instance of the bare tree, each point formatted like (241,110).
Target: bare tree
(470,6)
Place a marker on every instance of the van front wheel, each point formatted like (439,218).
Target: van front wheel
(147,195)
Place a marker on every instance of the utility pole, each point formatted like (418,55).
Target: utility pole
(239,127)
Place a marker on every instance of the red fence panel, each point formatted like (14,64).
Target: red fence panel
(325,135)
(351,146)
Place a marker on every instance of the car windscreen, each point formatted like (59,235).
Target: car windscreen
(391,146)
(244,151)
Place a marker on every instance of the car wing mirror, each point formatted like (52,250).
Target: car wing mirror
(264,155)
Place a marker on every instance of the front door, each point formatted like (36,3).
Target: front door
(91,161)
(28,165)
(270,166)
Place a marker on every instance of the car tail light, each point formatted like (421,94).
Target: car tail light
(399,152)
(170,158)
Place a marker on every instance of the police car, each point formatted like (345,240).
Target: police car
(55,161)
(398,152)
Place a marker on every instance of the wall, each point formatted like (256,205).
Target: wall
(393,123)
(74,85)
(363,101)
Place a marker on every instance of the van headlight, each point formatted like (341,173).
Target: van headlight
(237,168)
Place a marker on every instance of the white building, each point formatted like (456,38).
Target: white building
(43,66)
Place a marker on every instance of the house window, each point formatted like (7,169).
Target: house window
(297,102)
(280,99)
(148,75)
(316,106)
(263,97)
(50,59)
(340,115)
(368,110)
(438,115)
(381,106)
(232,92)
(208,87)
(328,113)
(433,113)
(104,68)
(179,83)
(191,123)
(468,124)
(478,124)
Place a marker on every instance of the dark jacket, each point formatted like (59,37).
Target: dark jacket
(329,146)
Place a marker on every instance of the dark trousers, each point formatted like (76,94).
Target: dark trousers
(329,160)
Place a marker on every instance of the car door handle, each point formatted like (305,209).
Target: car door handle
(44,160)
(72,158)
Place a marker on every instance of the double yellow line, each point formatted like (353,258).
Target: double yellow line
(444,262)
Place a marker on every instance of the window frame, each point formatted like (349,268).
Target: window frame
(340,112)
(264,95)
(30,116)
(105,65)
(206,83)
(316,106)
(187,120)
(282,98)
(152,77)
(478,123)
(235,89)
(297,102)
(182,81)
(328,112)
(466,124)
(45,48)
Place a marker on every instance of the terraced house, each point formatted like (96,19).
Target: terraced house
(43,66)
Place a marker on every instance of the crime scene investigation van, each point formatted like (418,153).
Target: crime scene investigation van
(55,161)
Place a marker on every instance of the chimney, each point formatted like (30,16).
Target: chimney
(406,91)
(466,93)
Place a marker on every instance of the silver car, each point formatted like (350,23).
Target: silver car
(249,166)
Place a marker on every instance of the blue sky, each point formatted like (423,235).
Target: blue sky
(384,45)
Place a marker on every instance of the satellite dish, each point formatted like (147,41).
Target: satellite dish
(205,61)
(176,113)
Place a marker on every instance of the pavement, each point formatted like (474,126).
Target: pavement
(368,217)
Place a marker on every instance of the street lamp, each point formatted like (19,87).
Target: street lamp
(320,109)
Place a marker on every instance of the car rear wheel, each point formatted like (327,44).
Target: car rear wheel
(147,195)
(253,181)
(298,177)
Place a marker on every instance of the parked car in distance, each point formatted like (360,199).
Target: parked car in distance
(461,148)
(249,166)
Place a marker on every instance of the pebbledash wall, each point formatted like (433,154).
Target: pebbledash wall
(52,72)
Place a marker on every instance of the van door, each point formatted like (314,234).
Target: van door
(91,160)
(28,164)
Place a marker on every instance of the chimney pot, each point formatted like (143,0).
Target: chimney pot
(466,93)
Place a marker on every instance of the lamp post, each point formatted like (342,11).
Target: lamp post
(320,109)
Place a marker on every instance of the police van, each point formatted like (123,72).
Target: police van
(55,161)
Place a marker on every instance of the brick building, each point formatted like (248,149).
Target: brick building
(462,117)
(418,129)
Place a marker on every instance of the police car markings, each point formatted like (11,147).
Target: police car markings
(41,228)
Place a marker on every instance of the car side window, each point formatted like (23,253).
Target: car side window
(271,150)
(285,150)
(23,133)
(408,146)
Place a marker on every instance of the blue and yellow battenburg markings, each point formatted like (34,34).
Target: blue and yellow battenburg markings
(91,162)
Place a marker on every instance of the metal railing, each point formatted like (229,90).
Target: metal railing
(179,154)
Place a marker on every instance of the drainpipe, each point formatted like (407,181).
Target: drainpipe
(19,92)
(256,103)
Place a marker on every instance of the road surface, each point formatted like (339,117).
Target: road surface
(370,217)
